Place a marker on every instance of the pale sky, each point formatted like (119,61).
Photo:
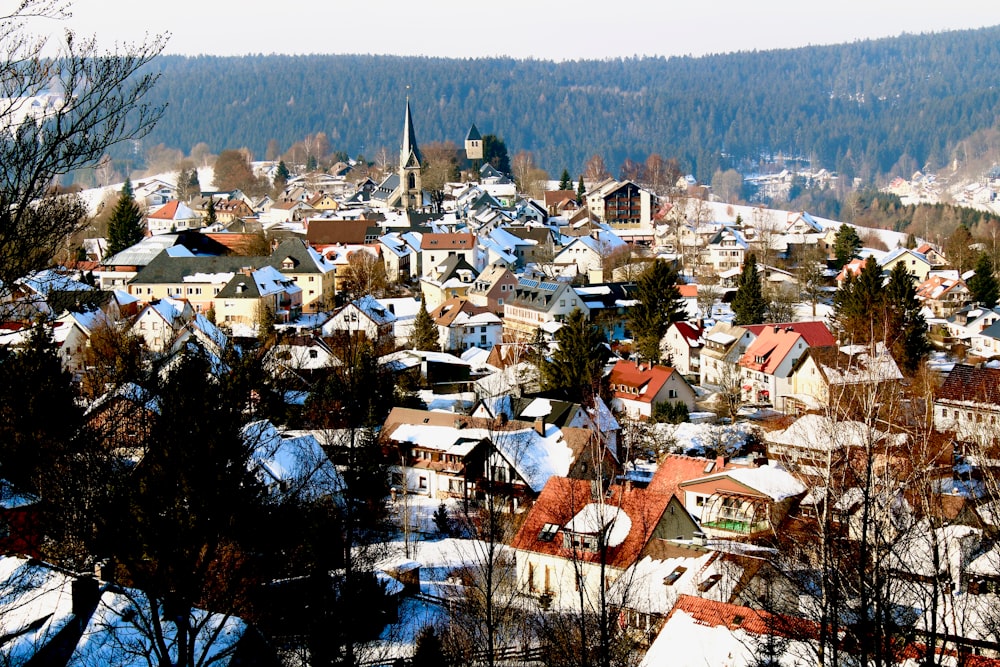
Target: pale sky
(565,30)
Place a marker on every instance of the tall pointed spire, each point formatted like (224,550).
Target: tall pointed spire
(409,153)
(411,196)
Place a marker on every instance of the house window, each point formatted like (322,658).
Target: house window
(672,393)
(313,354)
(422,483)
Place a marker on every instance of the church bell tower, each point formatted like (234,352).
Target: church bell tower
(410,164)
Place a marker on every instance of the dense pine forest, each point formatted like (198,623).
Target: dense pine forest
(859,108)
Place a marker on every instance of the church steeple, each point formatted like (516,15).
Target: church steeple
(409,153)
(410,163)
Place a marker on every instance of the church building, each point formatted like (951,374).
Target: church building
(403,190)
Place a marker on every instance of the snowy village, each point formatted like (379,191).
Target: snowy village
(358,421)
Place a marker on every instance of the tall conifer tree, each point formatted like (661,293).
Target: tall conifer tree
(660,304)
(125,226)
(983,286)
(425,332)
(749,304)
(577,363)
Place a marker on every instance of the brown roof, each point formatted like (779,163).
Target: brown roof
(446,313)
(447,241)
(332,232)
(972,384)
(563,498)
(553,197)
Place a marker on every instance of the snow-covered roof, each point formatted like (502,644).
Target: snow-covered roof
(118,634)
(595,518)
(298,462)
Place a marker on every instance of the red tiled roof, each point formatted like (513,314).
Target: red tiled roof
(563,498)
(688,291)
(757,621)
(675,469)
(630,374)
(769,349)
(447,241)
(972,384)
(816,334)
(167,211)
(691,333)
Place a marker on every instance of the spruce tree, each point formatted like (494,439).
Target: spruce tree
(581,190)
(660,304)
(210,217)
(281,176)
(845,244)
(425,332)
(125,226)
(904,326)
(565,183)
(857,306)
(578,361)
(983,286)
(749,304)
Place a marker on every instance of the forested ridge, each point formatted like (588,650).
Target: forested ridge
(857,108)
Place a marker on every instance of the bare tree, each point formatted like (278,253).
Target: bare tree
(365,274)
(59,115)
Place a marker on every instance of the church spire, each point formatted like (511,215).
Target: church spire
(409,153)
(411,196)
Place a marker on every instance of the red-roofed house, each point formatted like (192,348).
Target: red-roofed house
(568,532)
(682,344)
(968,404)
(435,248)
(172,217)
(741,502)
(637,388)
(766,367)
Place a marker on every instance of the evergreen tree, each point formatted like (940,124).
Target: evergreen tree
(125,226)
(660,304)
(191,511)
(35,388)
(425,334)
(210,217)
(857,306)
(281,176)
(911,241)
(581,190)
(495,153)
(845,244)
(577,364)
(905,328)
(565,183)
(265,324)
(983,286)
(749,304)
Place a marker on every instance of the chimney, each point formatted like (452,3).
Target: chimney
(540,426)
(86,592)
(720,463)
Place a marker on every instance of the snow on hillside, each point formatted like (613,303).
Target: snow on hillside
(708,212)
(93,197)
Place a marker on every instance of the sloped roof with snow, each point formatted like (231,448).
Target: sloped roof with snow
(563,500)
(770,480)
(535,457)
